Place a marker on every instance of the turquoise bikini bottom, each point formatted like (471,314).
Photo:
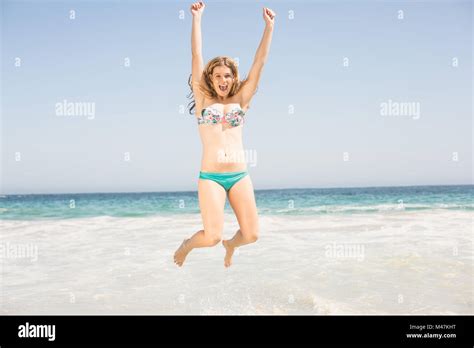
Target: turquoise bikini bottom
(225,179)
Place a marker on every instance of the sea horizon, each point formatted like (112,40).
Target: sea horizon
(255,189)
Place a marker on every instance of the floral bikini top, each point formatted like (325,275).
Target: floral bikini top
(212,116)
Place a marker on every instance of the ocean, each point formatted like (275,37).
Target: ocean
(375,250)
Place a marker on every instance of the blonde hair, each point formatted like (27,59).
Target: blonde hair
(205,84)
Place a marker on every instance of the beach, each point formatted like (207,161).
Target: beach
(375,259)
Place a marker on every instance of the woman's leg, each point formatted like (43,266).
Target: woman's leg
(242,199)
(211,203)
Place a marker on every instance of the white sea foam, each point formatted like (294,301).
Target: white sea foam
(371,208)
(418,262)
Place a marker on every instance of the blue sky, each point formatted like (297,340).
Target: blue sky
(137,108)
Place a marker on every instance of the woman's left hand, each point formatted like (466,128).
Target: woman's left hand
(268,16)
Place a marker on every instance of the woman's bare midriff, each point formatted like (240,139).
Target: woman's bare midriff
(223,150)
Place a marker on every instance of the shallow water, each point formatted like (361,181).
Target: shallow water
(395,262)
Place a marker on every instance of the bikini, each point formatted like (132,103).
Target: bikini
(235,118)
(213,116)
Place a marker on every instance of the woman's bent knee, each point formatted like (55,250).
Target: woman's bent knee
(251,236)
(213,238)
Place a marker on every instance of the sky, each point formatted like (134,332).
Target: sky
(354,94)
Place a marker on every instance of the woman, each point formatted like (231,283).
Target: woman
(221,101)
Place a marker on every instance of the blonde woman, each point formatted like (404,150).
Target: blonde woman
(221,101)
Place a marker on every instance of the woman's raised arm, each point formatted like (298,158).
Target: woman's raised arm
(197,10)
(251,84)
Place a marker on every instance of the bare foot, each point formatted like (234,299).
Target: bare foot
(229,251)
(181,253)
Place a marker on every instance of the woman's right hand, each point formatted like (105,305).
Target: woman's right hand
(197,8)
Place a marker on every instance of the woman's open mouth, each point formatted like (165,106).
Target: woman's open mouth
(223,88)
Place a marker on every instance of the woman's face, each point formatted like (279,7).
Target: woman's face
(222,80)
